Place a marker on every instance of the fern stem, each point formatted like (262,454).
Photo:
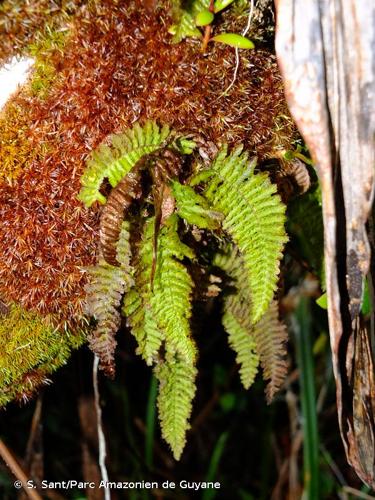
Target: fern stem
(308,400)
(150,421)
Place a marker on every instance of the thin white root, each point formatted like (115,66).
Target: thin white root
(101,437)
(237,65)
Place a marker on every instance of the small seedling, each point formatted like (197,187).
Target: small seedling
(205,18)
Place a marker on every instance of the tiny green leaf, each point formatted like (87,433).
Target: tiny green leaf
(221,4)
(234,40)
(322,301)
(204,17)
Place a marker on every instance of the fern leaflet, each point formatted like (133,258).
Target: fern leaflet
(104,292)
(243,344)
(254,218)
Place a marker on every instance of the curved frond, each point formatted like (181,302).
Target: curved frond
(115,161)
(264,341)
(254,219)
(104,292)
(176,393)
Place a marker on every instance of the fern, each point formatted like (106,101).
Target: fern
(236,318)
(176,392)
(266,340)
(115,161)
(271,336)
(243,344)
(155,284)
(254,218)
(104,293)
(162,314)
(194,208)
(185,25)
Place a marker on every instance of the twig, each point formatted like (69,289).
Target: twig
(244,32)
(34,428)
(17,471)
(101,438)
(357,493)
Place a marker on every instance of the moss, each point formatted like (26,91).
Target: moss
(16,149)
(117,66)
(31,349)
(47,51)
(22,22)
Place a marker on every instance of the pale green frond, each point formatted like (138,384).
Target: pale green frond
(105,289)
(254,219)
(237,314)
(143,326)
(243,343)
(114,161)
(194,208)
(176,392)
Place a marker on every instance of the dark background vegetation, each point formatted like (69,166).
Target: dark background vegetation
(253,450)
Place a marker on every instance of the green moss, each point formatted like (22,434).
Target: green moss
(46,50)
(30,349)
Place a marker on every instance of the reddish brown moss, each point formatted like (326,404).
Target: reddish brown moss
(21,22)
(118,67)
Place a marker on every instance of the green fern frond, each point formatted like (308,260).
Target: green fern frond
(31,349)
(105,289)
(195,209)
(243,343)
(162,314)
(171,300)
(265,340)
(254,219)
(115,161)
(143,326)
(185,25)
(271,337)
(176,392)
(237,316)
